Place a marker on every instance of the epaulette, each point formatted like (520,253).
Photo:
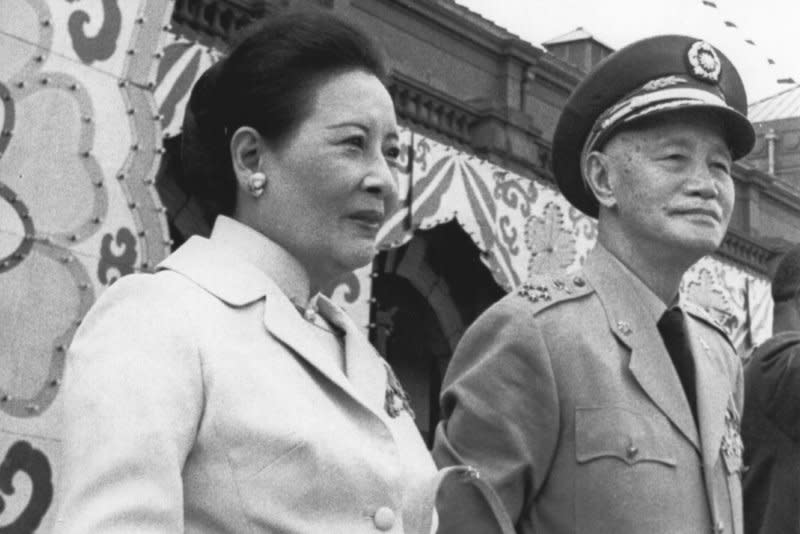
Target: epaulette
(702,314)
(543,291)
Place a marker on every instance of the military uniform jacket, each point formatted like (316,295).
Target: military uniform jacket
(564,397)
(196,400)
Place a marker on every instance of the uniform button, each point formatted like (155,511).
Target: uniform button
(719,528)
(632,451)
(384,518)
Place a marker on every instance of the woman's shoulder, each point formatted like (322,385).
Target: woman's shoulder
(161,291)
(142,305)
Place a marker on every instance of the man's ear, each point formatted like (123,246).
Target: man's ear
(597,169)
(247,148)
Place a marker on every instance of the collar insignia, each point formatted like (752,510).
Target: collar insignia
(624,328)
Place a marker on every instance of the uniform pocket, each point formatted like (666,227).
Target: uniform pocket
(626,466)
(622,434)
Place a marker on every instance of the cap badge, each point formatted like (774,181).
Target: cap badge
(660,83)
(704,61)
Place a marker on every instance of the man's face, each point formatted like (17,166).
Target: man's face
(672,185)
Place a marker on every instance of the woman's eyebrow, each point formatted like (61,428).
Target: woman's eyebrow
(348,124)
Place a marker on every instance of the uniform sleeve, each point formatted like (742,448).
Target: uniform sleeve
(500,410)
(132,399)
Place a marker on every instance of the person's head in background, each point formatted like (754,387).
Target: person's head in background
(786,292)
(294,134)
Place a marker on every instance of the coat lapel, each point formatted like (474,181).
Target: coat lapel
(283,321)
(631,323)
(365,369)
(713,394)
(213,267)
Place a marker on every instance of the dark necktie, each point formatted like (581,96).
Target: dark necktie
(673,331)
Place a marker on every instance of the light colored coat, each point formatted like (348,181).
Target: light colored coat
(196,401)
(565,398)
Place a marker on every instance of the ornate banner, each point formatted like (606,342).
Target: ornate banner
(79,149)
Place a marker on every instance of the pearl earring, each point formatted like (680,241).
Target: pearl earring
(256,183)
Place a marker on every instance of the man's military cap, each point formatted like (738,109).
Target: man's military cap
(652,76)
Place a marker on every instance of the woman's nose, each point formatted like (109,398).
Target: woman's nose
(382,181)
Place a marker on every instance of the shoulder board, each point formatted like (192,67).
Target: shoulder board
(543,291)
(698,312)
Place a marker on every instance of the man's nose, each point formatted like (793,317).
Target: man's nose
(703,182)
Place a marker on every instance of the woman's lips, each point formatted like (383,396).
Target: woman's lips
(372,219)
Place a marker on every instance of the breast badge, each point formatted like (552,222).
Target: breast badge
(396,399)
(732,448)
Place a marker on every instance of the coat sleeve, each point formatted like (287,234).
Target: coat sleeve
(132,401)
(500,410)
(780,388)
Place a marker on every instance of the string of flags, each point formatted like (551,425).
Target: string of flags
(751,42)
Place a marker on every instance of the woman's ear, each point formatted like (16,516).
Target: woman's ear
(247,148)
(597,170)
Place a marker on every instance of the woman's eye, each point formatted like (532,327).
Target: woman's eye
(356,141)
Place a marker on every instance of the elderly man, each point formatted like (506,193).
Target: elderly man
(771,419)
(604,402)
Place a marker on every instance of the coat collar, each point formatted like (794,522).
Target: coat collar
(235,273)
(631,322)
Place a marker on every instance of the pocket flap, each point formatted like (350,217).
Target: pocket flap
(617,432)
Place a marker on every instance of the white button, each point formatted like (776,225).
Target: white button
(384,518)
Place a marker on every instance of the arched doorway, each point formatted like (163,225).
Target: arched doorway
(427,292)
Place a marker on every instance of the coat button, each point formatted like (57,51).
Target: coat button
(632,451)
(384,518)
(719,528)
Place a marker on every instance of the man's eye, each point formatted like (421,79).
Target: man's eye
(724,167)
(392,152)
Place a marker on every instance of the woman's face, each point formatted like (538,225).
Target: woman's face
(331,184)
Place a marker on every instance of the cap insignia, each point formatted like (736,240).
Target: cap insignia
(704,61)
(660,83)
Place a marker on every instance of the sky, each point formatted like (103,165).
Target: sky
(773,25)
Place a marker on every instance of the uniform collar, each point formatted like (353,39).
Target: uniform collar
(654,306)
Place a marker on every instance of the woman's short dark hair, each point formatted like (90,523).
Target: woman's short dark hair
(266,82)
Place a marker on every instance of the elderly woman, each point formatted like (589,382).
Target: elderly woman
(223,393)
